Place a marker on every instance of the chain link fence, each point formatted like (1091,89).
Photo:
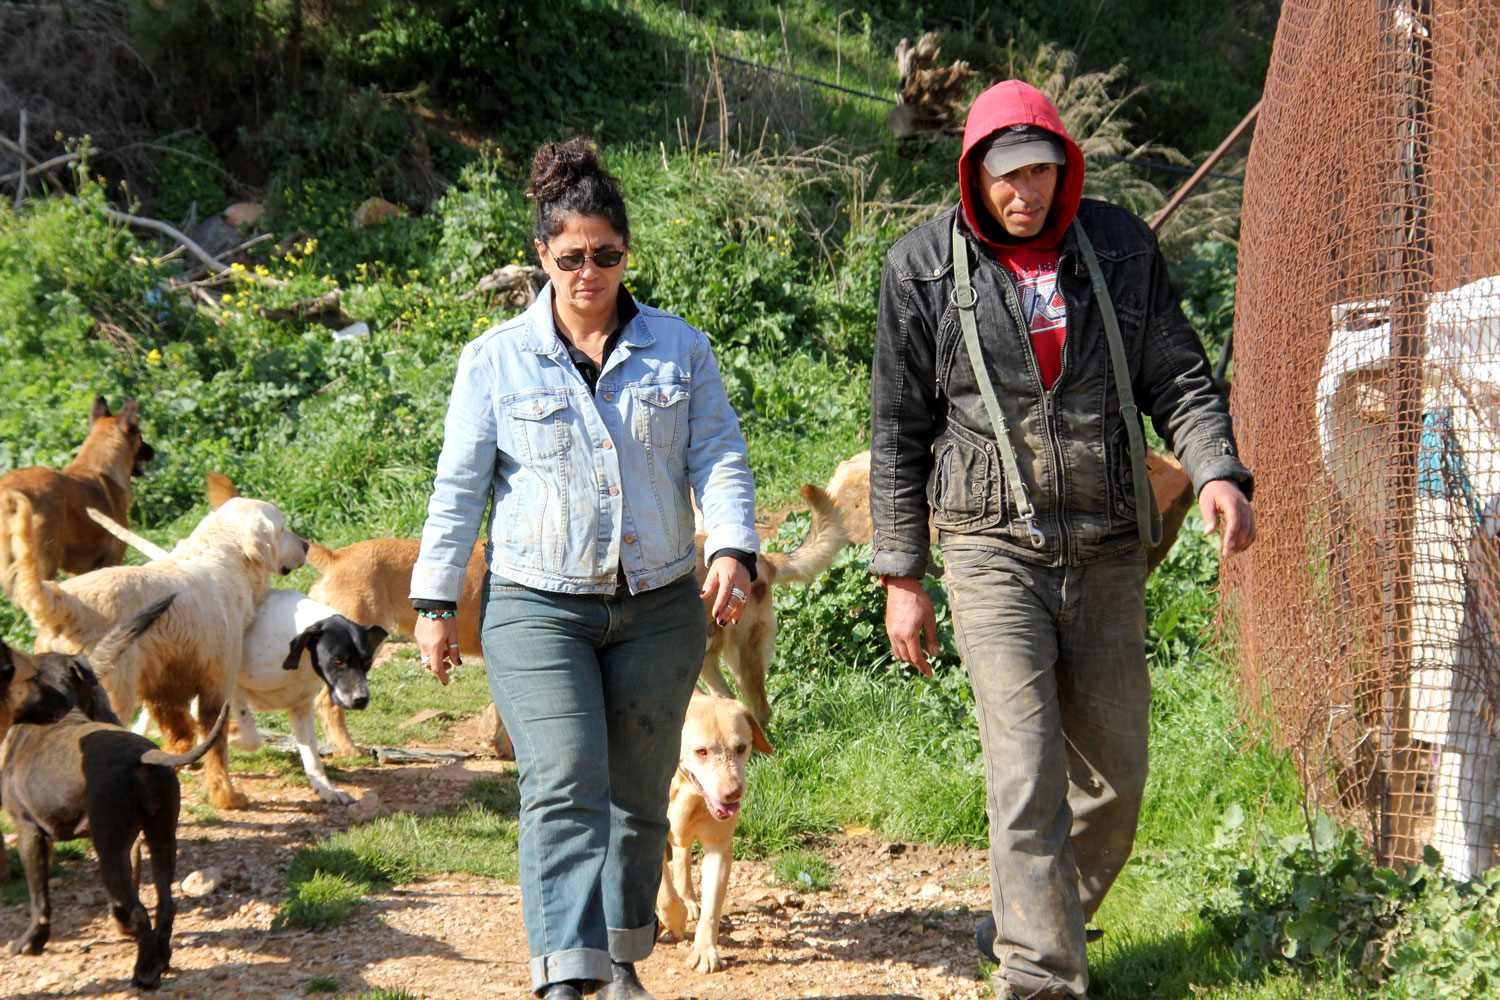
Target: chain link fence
(1367,399)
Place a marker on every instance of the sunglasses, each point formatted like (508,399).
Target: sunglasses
(601,258)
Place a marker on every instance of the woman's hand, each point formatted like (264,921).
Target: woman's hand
(437,643)
(728,587)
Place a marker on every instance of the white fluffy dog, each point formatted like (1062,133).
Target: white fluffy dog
(220,574)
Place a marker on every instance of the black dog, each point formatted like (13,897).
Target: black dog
(67,770)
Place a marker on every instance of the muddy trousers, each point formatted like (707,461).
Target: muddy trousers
(593,691)
(1057,660)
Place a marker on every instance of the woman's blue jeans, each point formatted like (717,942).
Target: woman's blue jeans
(593,691)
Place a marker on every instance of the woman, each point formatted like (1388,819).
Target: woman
(587,420)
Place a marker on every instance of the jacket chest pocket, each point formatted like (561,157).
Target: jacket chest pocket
(660,414)
(965,489)
(540,424)
(1121,476)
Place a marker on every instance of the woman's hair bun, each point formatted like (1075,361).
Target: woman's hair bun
(559,166)
(568,179)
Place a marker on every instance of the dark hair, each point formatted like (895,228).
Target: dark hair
(568,179)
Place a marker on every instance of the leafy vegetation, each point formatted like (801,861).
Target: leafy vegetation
(761,211)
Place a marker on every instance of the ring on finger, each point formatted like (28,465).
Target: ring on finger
(452,645)
(737,592)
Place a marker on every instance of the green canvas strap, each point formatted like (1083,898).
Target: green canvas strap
(1148,518)
(965,298)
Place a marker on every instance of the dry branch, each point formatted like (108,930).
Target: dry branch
(929,98)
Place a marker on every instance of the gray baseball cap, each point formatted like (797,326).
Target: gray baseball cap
(1019,145)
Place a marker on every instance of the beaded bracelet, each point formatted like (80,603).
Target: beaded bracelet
(436,614)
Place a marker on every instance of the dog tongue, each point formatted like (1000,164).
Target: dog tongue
(723,810)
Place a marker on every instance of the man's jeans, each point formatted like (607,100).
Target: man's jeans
(1057,659)
(593,691)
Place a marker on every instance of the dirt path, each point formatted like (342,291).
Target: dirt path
(896,926)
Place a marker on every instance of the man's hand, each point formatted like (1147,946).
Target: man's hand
(1222,498)
(910,622)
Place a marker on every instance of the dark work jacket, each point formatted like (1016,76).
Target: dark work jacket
(933,446)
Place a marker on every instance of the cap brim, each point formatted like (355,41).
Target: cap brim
(1002,158)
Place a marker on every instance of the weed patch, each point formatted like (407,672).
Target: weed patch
(803,871)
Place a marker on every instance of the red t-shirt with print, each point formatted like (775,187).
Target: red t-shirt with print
(1035,271)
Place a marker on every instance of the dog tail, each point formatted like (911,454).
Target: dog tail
(119,638)
(824,538)
(144,546)
(181,759)
(44,602)
(319,557)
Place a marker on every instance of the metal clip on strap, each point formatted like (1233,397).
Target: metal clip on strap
(964,298)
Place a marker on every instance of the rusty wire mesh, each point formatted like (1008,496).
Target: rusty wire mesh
(1367,399)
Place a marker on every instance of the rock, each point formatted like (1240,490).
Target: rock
(426,715)
(216,236)
(202,883)
(374,212)
(244,213)
(492,734)
(365,808)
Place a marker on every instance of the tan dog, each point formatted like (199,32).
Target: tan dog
(221,575)
(65,538)
(748,645)
(850,489)
(704,806)
(368,582)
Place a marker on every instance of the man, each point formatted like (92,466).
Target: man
(1034,492)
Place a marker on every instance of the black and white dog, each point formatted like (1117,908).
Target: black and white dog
(293,648)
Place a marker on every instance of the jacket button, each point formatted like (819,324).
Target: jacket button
(609,397)
(614,491)
(661,399)
(536,409)
(629,539)
(607,445)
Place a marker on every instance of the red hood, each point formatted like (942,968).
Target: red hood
(1012,102)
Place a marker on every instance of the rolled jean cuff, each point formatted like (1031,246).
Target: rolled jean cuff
(632,945)
(575,963)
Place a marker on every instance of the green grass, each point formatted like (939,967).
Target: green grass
(320,984)
(69,862)
(325,883)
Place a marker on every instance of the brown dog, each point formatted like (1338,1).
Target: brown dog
(67,770)
(65,538)
(748,645)
(704,806)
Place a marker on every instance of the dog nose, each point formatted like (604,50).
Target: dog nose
(359,701)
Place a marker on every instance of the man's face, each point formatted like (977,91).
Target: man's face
(1021,199)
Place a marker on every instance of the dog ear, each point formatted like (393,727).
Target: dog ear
(127,413)
(377,636)
(303,641)
(220,489)
(758,736)
(258,538)
(99,409)
(82,674)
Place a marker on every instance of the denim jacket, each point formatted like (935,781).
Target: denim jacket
(933,446)
(585,485)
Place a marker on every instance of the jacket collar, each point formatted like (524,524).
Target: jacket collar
(539,336)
